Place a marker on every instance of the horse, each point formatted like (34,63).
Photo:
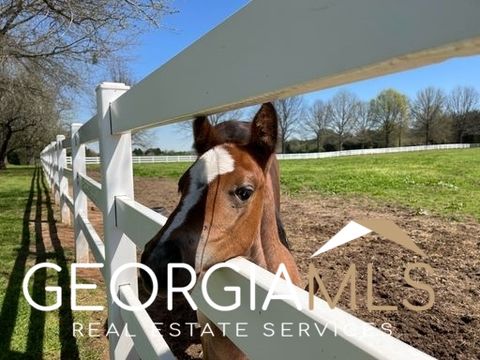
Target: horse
(229,207)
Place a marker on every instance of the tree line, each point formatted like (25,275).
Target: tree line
(52,52)
(389,119)
(138,151)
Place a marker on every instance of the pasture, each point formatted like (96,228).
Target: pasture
(29,234)
(444,182)
(433,195)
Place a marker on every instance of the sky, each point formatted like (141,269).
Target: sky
(195,18)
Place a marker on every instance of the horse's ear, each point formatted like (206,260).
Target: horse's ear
(264,133)
(204,137)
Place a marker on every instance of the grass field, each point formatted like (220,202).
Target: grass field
(445,182)
(28,235)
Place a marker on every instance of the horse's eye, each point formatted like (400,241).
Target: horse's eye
(244,193)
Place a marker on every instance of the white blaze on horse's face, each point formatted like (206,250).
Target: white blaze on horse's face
(215,162)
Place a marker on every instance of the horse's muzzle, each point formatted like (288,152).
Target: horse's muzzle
(158,260)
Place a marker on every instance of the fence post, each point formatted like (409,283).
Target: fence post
(58,179)
(117,179)
(47,165)
(44,165)
(51,171)
(80,206)
(62,181)
(52,168)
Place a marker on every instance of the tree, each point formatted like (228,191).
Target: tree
(58,43)
(389,111)
(26,145)
(364,125)
(461,101)
(119,72)
(137,152)
(215,119)
(220,117)
(316,121)
(427,110)
(153,152)
(89,152)
(473,126)
(342,114)
(57,38)
(289,111)
(28,114)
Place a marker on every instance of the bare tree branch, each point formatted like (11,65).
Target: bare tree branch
(316,121)
(70,34)
(185,127)
(290,112)
(461,102)
(427,110)
(342,114)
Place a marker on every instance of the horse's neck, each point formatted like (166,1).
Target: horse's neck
(268,250)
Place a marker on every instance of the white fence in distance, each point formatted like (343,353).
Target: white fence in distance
(146,159)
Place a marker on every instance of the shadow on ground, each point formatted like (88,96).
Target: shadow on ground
(36,252)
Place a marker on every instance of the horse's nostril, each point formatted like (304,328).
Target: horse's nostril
(172,252)
(157,260)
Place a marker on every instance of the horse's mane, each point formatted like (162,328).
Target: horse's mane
(281,232)
(238,132)
(232,131)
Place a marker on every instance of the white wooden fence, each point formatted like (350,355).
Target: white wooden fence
(269,49)
(296,156)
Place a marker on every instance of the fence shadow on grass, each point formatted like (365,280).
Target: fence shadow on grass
(9,311)
(36,325)
(10,306)
(69,349)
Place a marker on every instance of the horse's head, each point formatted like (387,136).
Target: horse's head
(222,193)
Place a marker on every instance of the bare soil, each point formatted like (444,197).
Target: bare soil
(449,330)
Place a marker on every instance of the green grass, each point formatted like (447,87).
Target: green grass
(169,170)
(445,182)
(28,236)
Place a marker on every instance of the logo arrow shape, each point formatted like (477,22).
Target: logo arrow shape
(358,228)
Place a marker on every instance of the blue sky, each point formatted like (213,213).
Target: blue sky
(195,18)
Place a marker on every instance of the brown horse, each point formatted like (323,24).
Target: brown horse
(229,207)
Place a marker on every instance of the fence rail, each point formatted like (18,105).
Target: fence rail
(336,342)
(243,62)
(296,156)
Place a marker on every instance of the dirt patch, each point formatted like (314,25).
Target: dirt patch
(449,330)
